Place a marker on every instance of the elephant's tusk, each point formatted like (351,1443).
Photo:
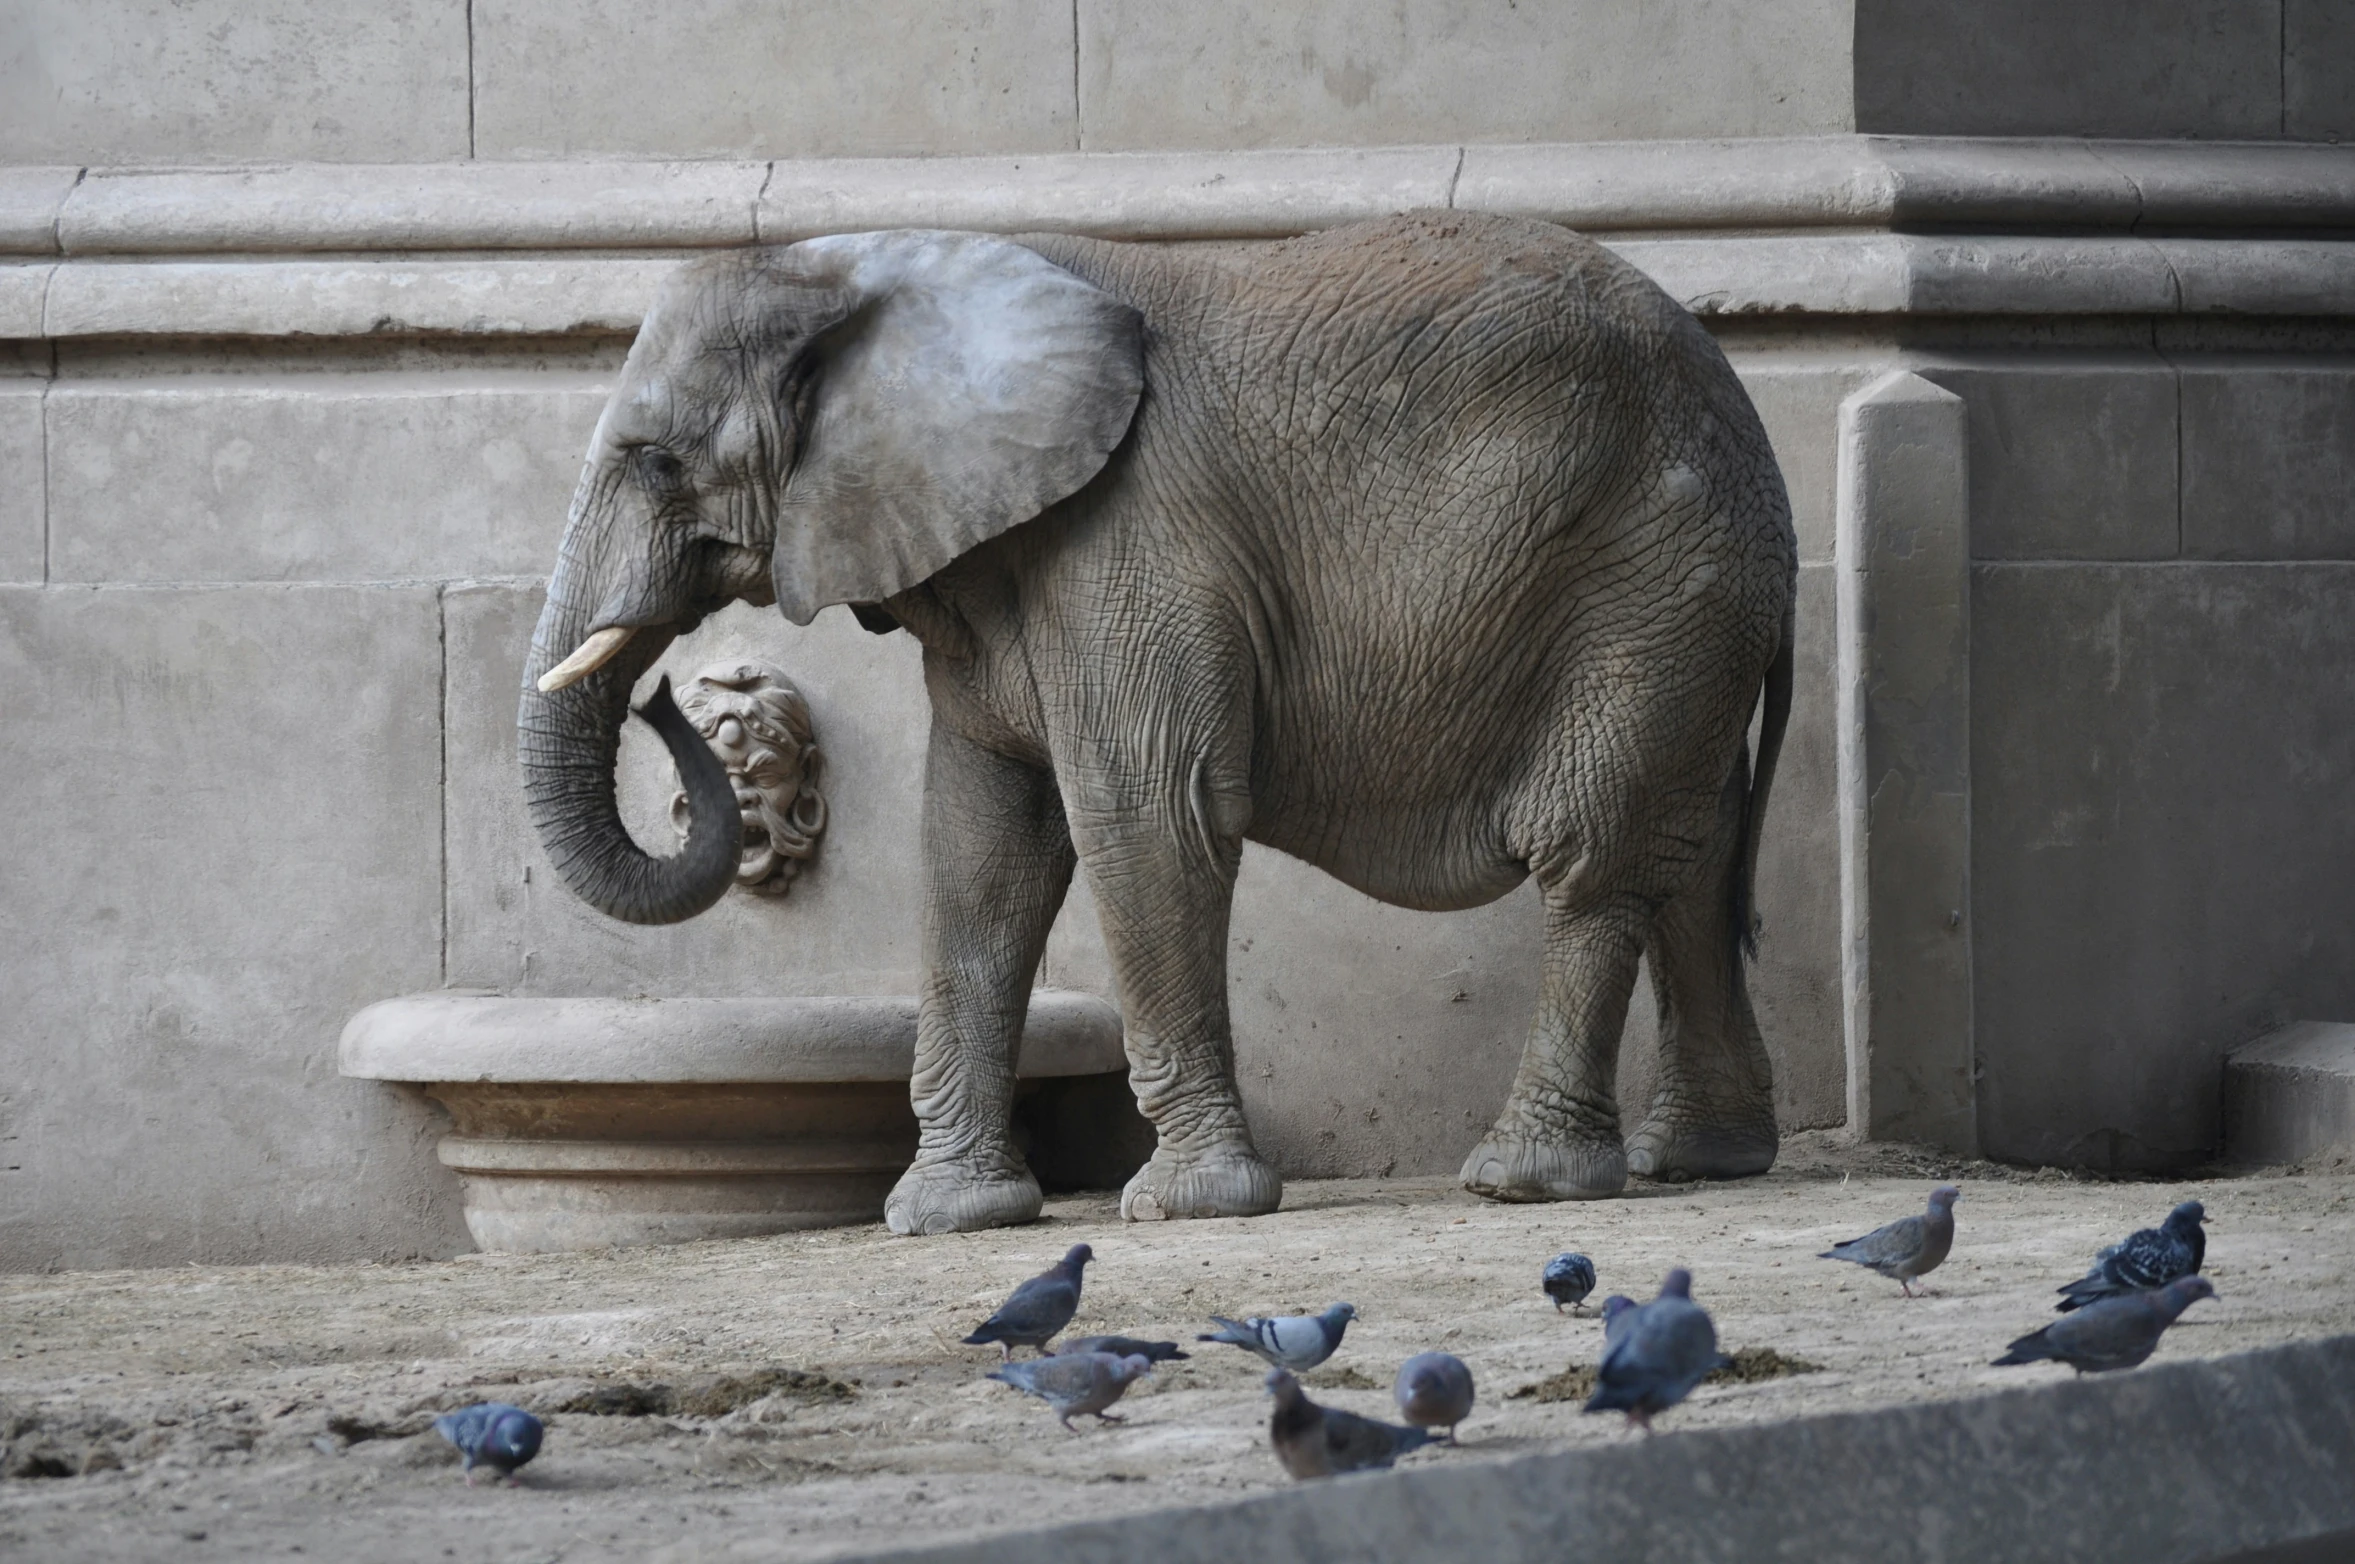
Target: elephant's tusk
(594,653)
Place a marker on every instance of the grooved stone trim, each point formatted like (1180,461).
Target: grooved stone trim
(1903,559)
(2183,1463)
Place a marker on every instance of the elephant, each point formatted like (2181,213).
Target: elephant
(1439,551)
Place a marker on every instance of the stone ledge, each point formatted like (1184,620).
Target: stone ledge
(2188,1463)
(1602,187)
(491,1039)
(2290,1095)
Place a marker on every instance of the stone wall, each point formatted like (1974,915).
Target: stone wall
(285,448)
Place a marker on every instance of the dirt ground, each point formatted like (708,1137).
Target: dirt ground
(805,1396)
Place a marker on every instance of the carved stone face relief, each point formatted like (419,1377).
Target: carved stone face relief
(759,726)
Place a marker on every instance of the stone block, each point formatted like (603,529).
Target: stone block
(228,81)
(1229,73)
(2318,70)
(2160,842)
(24,483)
(1904,687)
(2269,461)
(24,293)
(223,837)
(2150,68)
(30,199)
(314,477)
(2070,460)
(849,924)
(733,78)
(2290,1095)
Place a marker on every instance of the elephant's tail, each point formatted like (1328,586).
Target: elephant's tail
(1770,747)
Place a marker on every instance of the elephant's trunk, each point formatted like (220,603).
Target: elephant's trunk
(568,739)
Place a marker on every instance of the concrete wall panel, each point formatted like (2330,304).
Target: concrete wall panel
(2318,70)
(314,477)
(24,484)
(2161,842)
(2158,68)
(224,81)
(721,78)
(2070,461)
(1235,73)
(2269,462)
(222,838)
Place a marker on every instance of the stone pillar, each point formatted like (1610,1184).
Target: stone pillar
(1902,558)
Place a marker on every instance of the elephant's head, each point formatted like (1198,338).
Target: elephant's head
(828,422)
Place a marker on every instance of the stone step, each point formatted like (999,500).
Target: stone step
(2290,1095)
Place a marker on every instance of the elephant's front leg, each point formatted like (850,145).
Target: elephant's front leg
(997,860)
(1162,867)
(1558,1137)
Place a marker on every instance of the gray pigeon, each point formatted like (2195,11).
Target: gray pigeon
(1434,1390)
(1909,1247)
(1072,1383)
(1618,1315)
(1036,1310)
(1293,1341)
(1568,1279)
(1663,1349)
(2111,1333)
(1315,1441)
(2151,1257)
(1121,1347)
(492,1434)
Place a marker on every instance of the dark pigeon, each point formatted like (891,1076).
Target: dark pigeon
(1568,1279)
(1315,1441)
(492,1434)
(1909,1247)
(1662,1350)
(1121,1347)
(2148,1259)
(1434,1390)
(1074,1383)
(1036,1310)
(1292,1341)
(2111,1333)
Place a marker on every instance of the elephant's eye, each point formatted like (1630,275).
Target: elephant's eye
(659,471)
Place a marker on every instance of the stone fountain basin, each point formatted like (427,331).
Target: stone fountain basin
(587,1123)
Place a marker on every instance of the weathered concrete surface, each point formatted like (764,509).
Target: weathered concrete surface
(2160,841)
(24,483)
(2318,70)
(2269,460)
(251,1366)
(1905,762)
(216,81)
(222,837)
(2290,1095)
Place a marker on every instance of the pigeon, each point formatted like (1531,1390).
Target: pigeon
(1294,1341)
(1568,1279)
(1434,1389)
(2150,1258)
(1909,1247)
(1315,1441)
(1618,1314)
(1664,1348)
(1036,1310)
(1121,1347)
(493,1434)
(1071,1383)
(2111,1333)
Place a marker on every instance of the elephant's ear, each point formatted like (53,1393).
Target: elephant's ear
(971,384)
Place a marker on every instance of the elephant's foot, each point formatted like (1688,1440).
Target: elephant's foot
(961,1197)
(1677,1148)
(1515,1167)
(1223,1180)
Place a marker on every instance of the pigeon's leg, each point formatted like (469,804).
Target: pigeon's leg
(1712,1113)
(997,860)
(1005,1352)
(1160,839)
(1558,1136)
(1108,1417)
(1905,1286)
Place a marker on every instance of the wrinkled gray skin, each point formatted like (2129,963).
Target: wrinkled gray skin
(1439,551)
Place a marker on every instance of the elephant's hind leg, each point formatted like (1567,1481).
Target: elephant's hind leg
(997,861)
(1558,1137)
(1712,1115)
